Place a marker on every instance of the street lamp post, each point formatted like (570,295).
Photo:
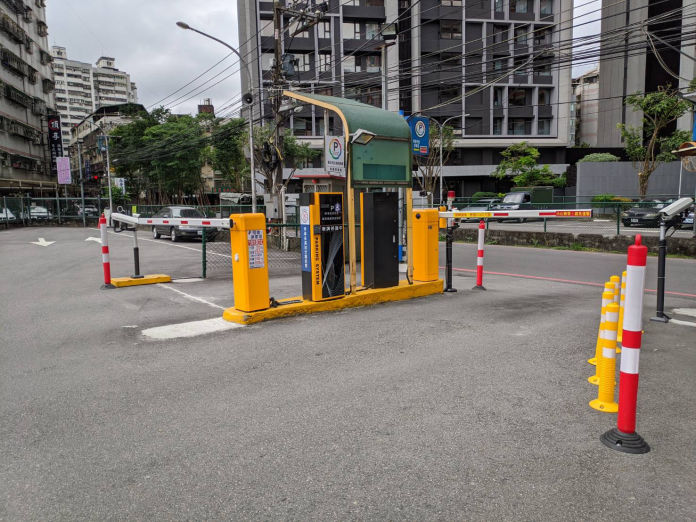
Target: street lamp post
(246,98)
(82,181)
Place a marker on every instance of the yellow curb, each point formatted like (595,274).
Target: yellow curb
(361,298)
(145,280)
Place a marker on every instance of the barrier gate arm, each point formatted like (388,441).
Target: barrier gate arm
(547,213)
(194,222)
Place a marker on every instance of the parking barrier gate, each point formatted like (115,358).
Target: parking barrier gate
(624,437)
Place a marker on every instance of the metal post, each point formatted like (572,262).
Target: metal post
(681,169)
(82,184)
(449,238)
(7,212)
(204,257)
(661,260)
(618,219)
(251,155)
(544,225)
(136,254)
(58,205)
(108,178)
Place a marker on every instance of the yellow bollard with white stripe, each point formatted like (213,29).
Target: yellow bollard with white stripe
(606,365)
(622,301)
(608,287)
(606,301)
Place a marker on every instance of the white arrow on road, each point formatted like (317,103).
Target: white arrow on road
(42,242)
(94,239)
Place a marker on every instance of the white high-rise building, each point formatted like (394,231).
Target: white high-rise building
(82,88)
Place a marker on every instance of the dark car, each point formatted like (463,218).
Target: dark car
(176,232)
(647,214)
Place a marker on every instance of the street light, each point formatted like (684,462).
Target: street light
(247,98)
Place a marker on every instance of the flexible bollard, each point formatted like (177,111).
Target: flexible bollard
(622,300)
(105,253)
(603,310)
(624,437)
(479,256)
(606,365)
(616,281)
(606,301)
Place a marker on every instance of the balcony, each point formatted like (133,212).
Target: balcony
(354,12)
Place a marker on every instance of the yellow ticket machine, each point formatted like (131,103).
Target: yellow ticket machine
(425,246)
(321,245)
(249,262)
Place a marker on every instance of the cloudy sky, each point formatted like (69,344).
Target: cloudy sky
(161,58)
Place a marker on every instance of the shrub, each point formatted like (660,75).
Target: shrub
(599,157)
(480,195)
(601,198)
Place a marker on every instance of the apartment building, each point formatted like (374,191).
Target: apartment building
(586,94)
(26,98)
(631,65)
(489,67)
(82,88)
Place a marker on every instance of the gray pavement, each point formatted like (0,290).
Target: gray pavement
(463,406)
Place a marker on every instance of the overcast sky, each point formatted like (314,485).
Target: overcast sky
(161,58)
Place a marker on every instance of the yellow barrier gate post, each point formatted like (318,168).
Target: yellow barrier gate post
(249,262)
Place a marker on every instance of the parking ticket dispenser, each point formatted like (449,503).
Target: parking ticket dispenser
(425,246)
(249,262)
(321,245)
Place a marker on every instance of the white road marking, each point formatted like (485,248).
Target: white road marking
(188,280)
(42,242)
(189,329)
(190,297)
(98,240)
(685,323)
(130,326)
(685,311)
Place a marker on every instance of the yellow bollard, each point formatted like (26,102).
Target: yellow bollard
(601,340)
(622,300)
(608,287)
(606,365)
(616,281)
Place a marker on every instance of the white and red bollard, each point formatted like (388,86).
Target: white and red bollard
(479,256)
(624,437)
(105,252)
(450,199)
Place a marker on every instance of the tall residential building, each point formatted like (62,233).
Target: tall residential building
(629,65)
(82,88)
(26,98)
(586,93)
(489,65)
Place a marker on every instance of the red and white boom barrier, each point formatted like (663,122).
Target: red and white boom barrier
(193,222)
(624,437)
(513,214)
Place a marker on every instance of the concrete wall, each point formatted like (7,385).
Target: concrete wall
(621,178)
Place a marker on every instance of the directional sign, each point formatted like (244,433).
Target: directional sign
(42,242)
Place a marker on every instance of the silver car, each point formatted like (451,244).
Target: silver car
(176,232)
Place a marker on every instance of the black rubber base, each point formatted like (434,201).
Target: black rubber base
(477,287)
(137,277)
(106,287)
(450,290)
(625,442)
(660,318)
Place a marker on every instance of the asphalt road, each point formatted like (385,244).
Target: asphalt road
(463,406)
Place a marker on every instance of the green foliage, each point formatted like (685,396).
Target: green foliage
(520,162)
(429,166)
(226,152)
(692,85)
(603,198)
(599,157)
(646,145)
(670,143)
(480,195)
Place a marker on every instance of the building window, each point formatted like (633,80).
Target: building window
(351,31)
(267,60)
(519,6)
(497,126)
(521,34)
(544,97)
(517,98)
(324,62)
(450,94)
(371,31)
(351,2)
(267,28)
(519,127)
(349,64)
(546,7)
(324,29)
(375,3)
(543,68)
(450,29)
(542,37)
(498,95)
(451,3)
(373,63)
(41,28)
(499,65)
(303,62)
(544,127)
(499,34)
(499,8)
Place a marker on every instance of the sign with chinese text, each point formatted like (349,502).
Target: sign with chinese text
(63,167)
(255,244)
(55,141)
(335,154)
(420,135)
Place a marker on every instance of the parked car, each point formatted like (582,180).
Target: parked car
(487,202)
(646,214)
(689,219)
(39,213)
(6,215)
(90,210)
(177,232)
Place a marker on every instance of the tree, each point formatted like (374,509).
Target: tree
(599,157)
(429,166)
(520,162)
(646,145)
(225,153)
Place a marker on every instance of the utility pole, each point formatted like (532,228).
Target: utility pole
(82,182)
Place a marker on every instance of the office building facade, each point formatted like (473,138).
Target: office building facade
(489,66)
(82,88)
(26,98)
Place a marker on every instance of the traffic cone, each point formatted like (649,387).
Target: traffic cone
(606,365)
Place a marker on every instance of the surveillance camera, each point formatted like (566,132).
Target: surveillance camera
(676,208)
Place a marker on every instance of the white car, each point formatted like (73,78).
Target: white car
(689,219)
(37,213)
(7,215)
